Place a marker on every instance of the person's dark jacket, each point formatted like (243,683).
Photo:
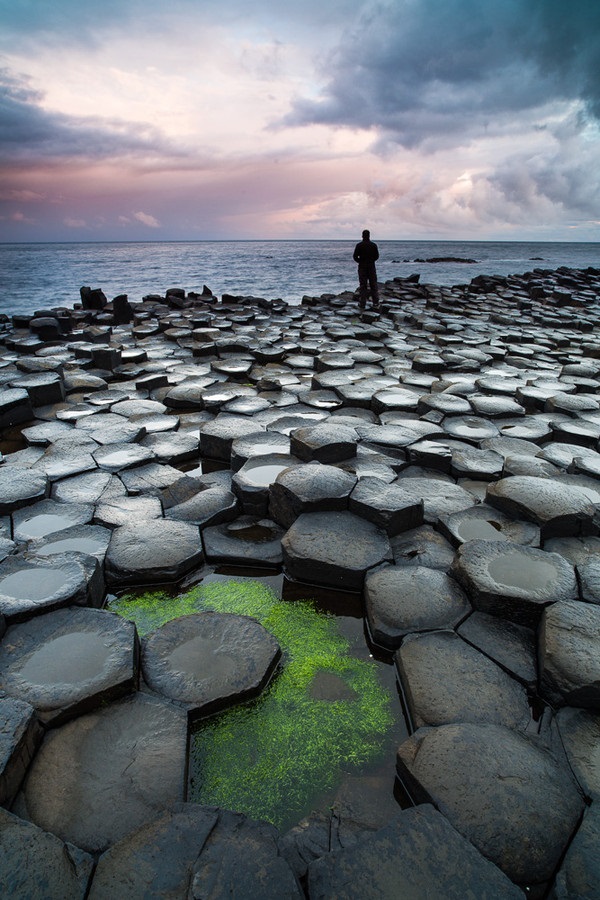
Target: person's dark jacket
(365,253)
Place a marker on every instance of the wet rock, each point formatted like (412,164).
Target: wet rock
(388,506)
(90,539)
(240,859)
(470,428)
(422,547)
(247,541)
(532,804)
(149,479)
(123,510)
(261,443)
(512,646)
(21,487)
(209,661)
(579,875)
(419,854)
(403,599)
(334,549)
(252,482)
(152,550)
(15,407)
(485,523)
(325,443)
(208,506)
(29,587)
(446,680)
(20,736)
(37,865)
(569,654)
(172,448)
(512,581)
(216,437)
(47,517)
(589,580)
(314,487)
(93,798)
(69,662)
(116,457)
(580,734)
(440,498)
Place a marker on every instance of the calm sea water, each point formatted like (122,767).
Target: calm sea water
(35,276)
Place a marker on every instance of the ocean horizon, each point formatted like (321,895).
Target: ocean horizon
(40,275)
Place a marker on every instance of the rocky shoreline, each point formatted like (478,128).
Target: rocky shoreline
(437,458)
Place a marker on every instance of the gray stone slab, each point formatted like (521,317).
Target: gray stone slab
(37,865)
(20,736)
(484,523)
(389,506)
(153,550)
(252,482)
(29,587)
(569,654)
(85,488)
(116,457)
(90,539)
(334,549)
(446,680)
(326,442)
(209,661)
(560,510)
(512,646)
(47,517)
(248,541)
(123,510)
(579,875)
(512,581)
(209,506)
(402,599)
(418,855)
(423,546)
(580,734)
(69,662)
(440,498)
(532,803)
(100,776)
(313,487)
(217,436)
(149,479)
(21,487)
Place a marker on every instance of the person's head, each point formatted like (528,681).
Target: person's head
(366,234)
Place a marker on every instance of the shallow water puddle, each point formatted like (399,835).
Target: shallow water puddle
(329,720)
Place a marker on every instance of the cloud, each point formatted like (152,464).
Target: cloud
(146,219)
(444,71)
(28,131)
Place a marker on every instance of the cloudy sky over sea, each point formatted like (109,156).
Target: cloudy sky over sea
(200,119)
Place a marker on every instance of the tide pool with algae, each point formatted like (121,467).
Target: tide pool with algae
(325,714)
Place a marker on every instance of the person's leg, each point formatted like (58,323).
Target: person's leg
(363,280)
(374,286)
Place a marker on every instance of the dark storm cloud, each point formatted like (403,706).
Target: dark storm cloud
(30,133)
(446,70)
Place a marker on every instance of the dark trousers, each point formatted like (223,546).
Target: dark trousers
(367,278)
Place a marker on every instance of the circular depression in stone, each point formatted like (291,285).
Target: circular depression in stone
(48,516)
(27,587)
(209,660)
(69,660)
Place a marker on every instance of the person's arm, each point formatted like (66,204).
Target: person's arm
(376,256)
(356,256)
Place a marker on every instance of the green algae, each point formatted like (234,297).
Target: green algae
(325,714)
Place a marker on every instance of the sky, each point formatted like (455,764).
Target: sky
(224,119)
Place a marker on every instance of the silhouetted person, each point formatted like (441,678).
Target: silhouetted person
(365,254)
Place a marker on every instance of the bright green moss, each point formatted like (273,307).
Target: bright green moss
(274,758)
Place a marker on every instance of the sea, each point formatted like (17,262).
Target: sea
(41,275)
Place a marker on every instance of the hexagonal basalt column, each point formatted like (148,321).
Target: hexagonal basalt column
(559,509)
(209,660)
(569,654)
(153,550)
(251,483)
(47,517)
(404,599)
(21,487)
(326,442)
(70,661)
(335,549)
(216,437)
(512,581)
(532,803)
(20,735)
(313,487)
(100,776)
(388,506)
(32,586)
